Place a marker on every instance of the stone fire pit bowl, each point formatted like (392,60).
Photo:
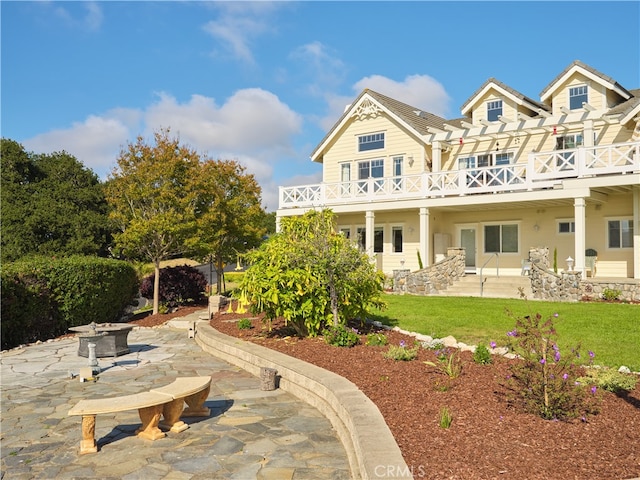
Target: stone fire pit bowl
(110,339)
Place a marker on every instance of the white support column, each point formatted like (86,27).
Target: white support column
(436,157)
(636,232)
(580,233)
(424,236)
(278,217)
(369,225)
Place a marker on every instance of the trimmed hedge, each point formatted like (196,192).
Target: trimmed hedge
(42,297)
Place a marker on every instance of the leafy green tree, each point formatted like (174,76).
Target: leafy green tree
(51,205)
(229,216)
(153,196)
(311,276)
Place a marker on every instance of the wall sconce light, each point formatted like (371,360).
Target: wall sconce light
(411,230)
(402,261)
(569,264)
(536,227)
(497,146)
(411,161)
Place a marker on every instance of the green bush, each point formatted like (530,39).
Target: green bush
(401,352)
(42,297)
(482,355)
(341,336)
(610,380)
(244,324)
(376,339)
(610,294)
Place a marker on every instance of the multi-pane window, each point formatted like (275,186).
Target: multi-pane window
(494,110)
(485,160)
(577,96)
(620,233)
(345,178)
(373,141)
(567,160)
(346,231)
(566,226)
(371,169)
(501,238)
(396,234)
(378,239)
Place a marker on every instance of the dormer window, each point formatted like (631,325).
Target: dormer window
(494,110)
(577,96)
(374,141)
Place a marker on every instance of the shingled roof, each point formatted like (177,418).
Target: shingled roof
(578,63)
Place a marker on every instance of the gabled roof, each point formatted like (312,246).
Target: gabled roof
(578,66)
(504,89)
(412,118)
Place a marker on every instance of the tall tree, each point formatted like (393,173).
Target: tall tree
(51,205)
(152,192)
(229,215)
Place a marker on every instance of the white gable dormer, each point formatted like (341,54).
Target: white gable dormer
(582,88)
(496,102)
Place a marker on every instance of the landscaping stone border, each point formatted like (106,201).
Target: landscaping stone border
(371,449)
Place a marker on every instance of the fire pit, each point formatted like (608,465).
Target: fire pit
(110,338)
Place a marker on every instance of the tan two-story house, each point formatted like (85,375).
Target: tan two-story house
(512,173)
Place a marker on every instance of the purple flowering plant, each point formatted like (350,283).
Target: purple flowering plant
(542,379)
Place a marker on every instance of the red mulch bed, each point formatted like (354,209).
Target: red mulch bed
(488,438)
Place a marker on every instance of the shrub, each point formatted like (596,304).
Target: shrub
(610,380)
(341,336)
(244,324)
(42,297)
(178,286)
(543,379)
(376,339)
(610,294)
(482,355)
(401,352)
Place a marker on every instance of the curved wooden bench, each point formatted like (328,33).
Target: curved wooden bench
(167,401)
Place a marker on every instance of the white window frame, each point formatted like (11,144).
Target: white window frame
(394,229)
(629,221)
(494,105)
(501,225)
(584,92)
(370,139)
(378,230)
(571,223)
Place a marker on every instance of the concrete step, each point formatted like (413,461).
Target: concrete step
(493,287)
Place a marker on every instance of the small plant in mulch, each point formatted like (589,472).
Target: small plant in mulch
(401,352)
(610,380)
(481,355)
(445,418)
(544,380)
(376,339)
(448,362)
(341,336)
(244,324)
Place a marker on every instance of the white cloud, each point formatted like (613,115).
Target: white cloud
(252,126)
(96,142)
(420,91)
(90,21)
(239,24)
(323,66)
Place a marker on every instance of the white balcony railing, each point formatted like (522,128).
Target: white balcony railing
(540,171)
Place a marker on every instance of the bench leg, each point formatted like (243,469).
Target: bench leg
(195,404)
(88,442)
(171,416)
(150,417)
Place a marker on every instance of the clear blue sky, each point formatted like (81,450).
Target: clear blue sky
(263,82)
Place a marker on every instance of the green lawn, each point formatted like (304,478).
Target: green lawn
(612,331)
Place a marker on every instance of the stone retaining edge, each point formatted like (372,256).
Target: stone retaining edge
(371,449)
